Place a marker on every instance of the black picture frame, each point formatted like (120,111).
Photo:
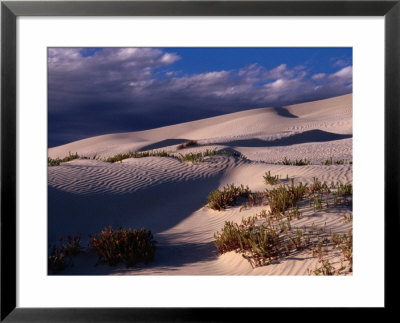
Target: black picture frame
(10,10)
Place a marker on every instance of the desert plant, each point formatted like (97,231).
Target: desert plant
(258,245)
(192,157)
(57,161)
(297,162)
(53,162)
(345,244)
(325,269)
(284,196)
(57,260)
(137,154)
(269,179)
(127,246)
(330,161)
(220,199)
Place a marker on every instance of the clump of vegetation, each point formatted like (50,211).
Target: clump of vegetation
(192,157)
(137,154)
(56,261)
(255,199)
(53,162)
(199,157)
(285,196)
(345,244)
(330,161)
(189,143)
(270,235)
(326,269)
(258,245)
(221,199)
(189,157)
(127,246)
(61,255)
(57,161)
(297,162)
(271,180)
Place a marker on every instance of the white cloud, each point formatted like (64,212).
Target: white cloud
(318,76)
(344,73)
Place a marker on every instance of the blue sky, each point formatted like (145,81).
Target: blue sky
(93,91)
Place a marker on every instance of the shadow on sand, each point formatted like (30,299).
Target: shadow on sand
(299,138)
(283,112)
(163,143)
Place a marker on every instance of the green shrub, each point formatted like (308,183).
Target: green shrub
(285,196)
(58,161)
(219,200)
(127,246)
(297,162)
(345,244)
(258,245)
(53,162)
(191,157)
(137,154)
(271,180)
(330,161)
(326,269)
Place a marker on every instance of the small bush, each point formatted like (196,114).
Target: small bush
(271,180)
(219,200)
(190,143)
(210,152)
(137,154)
(330,161)
(58,161)
(326,269)
(258,245)
(345,244)
(57,259)
(285,196)
(53,162)
(192,157)
(297,162)
(127,246)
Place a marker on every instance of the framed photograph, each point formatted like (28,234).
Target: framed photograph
(197,152)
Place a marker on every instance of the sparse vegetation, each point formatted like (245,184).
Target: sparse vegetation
(271,180)
(61,256)
(127,246)
(190,143)
(297,162)
(221,199)
(345,244)
(270,234)
(137,154)
(57,161)
(330,161)
(285,196)
(191,157)
(258,245)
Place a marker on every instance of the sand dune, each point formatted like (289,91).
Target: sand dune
(169,196)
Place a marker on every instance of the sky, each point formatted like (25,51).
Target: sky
(95,91)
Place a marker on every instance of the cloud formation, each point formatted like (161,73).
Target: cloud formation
(121,89)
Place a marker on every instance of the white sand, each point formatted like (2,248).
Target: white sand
(169,197)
